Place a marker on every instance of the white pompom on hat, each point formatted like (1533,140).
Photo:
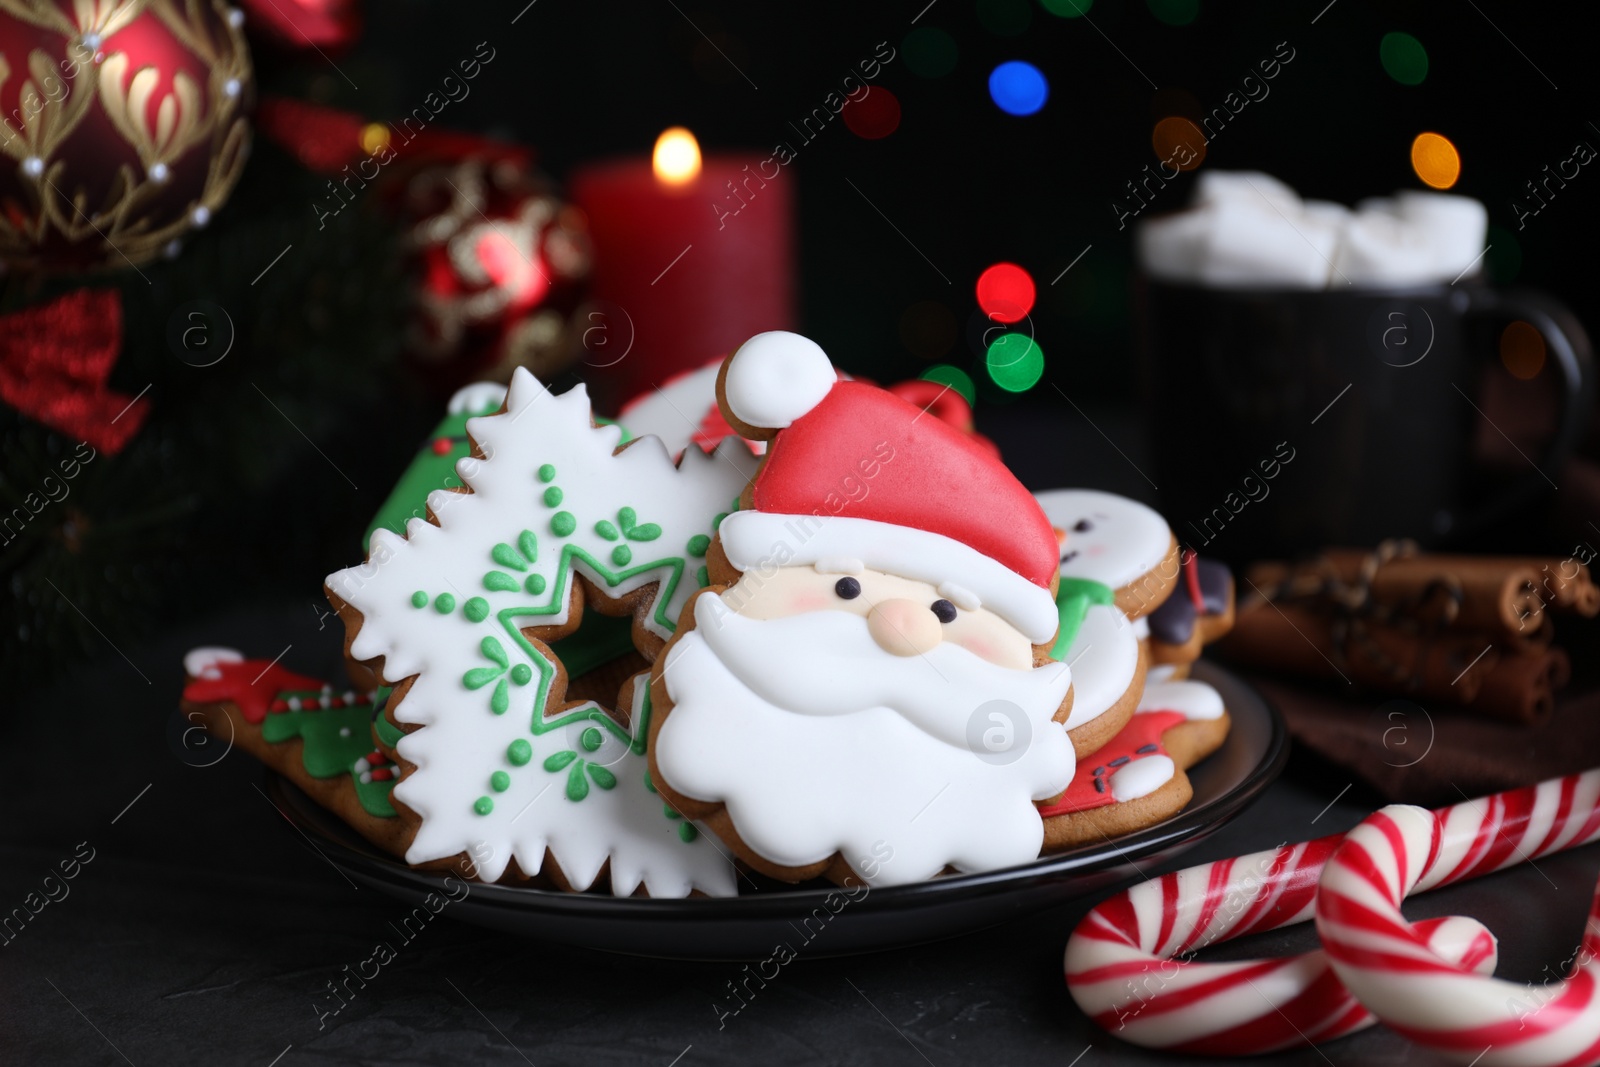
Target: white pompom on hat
(776,377)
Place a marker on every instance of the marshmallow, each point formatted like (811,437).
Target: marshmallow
(1221,186)
(1381,249)
(1252,244)
(1171,246)
(1454,226)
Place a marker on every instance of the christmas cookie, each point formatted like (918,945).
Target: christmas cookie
(1109,662)
(682,411)
(1138,778)
(1118,542)
(866,690)
(464,615)
(1200,612)
(319,737)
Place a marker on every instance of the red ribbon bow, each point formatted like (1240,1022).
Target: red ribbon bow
(54,362)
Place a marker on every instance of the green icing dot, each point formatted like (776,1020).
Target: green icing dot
(718,520)
(476,609)
(703,576)
(499,781)
(648,784)
(698,544)
(687,831)
(562,523)
(577,784)
(547,473)
(535,584)
(444,603)
(483,805)
(602,777)
(522,674)
(670,812)
(591,739)
(519,752)
(553,497)
(605,528)
(419,599)
(506,556)
(559,761)
(622,555)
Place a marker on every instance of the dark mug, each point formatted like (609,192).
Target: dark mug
(1286,420)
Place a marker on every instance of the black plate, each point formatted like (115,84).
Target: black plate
(748,927)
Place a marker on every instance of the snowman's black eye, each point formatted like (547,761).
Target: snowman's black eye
(945,610)
(847,588)
(1082,526)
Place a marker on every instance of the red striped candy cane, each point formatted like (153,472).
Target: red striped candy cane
(1122,966)
(1382,960)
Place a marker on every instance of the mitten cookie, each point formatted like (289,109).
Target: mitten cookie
(462,615)
(1200,612)
(865,691)
(1138,779)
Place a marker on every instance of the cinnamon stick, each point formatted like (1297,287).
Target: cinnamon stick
(1522,688)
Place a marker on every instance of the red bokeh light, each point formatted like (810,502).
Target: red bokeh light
(1006,292)
(874,116)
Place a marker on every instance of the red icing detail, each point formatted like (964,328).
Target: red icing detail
(1191,578)
(923,473)
(252,685)
(382,774)
(442,446)
(1145,728)
(712,429)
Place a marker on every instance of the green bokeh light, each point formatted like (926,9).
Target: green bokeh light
(1175,12)
(930,52)
(1006,18)
(1404,58)
(1014,362)
(1067,9)
(955,378)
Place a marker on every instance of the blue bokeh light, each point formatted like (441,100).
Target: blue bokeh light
(1018,88)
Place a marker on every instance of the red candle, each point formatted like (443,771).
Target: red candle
(691,259)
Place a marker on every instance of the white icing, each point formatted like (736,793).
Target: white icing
(1141,777)
(1125,541)
(960,596)
(479,398)
(1195,701)
(776,377)
(1141,627)
(463,742)
(202,662)
(762,542)
(1104,656)
(676,410)
(837,772)
(1161,672)
(839,565)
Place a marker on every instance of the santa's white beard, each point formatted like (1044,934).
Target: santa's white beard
(818,741)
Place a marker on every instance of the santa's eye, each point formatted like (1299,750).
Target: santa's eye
(944,610)
(847,588)
(1082,526)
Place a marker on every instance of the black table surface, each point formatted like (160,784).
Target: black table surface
(205,930)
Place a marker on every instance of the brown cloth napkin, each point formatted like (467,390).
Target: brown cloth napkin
(1428,754)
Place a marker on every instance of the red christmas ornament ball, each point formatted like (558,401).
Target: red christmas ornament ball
(500,264)
(121,127)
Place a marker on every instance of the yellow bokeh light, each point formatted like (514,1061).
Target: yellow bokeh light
(1435,160)
(1522,350)
(374,138)
(1178,143)
(676,160)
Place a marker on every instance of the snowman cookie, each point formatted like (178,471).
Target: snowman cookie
(466,617)
(1118,542)
(1138,779)
(865,691)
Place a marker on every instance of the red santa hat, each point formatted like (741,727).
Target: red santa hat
(857,477)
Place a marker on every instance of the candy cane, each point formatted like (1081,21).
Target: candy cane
(1120,964)
(1382,960)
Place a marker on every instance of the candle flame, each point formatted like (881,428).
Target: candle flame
(676,160)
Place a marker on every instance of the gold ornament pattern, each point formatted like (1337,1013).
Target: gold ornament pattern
(122,127)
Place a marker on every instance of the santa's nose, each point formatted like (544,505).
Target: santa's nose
(904,627)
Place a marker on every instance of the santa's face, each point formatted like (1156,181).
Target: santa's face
(905,617)
(844,711)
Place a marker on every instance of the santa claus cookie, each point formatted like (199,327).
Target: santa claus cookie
(464,615)
(865,691)
(1138,778)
